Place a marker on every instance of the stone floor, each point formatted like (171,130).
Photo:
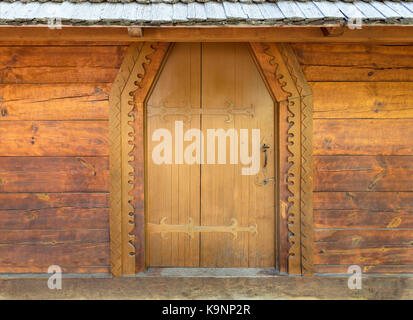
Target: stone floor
(217,287)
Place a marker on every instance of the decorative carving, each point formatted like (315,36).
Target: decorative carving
(153,55)
(116,110)
(190,229)
(306,209)
(289,88)
(122,127)
(229,112)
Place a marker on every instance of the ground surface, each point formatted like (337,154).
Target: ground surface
(171,287)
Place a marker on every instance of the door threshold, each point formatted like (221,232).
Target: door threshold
(210,272)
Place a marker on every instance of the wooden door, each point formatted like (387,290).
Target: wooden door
(202,214)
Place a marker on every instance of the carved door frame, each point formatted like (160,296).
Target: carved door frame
(289,89)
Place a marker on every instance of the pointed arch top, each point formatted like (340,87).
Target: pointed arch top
(289,88)
(131,87)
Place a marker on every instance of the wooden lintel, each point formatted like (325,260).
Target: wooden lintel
(382,34)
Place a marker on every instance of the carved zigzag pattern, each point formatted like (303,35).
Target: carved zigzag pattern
(306,220)
(115,141)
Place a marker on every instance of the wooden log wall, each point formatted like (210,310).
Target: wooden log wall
(54,164)
(363,155)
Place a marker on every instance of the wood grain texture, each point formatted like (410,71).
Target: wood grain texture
(363,218)
(37,201)
(362,141)
(369,269)
(81,254)
(56,218)
(363,173)
(355,62)
(357,239)
(54,138)
(374,201)
(229,74)
(367,34)
(327,254)
(153,57)
(54,102)
(65,269)
(355,100)
(173,191)
(54,174)
(57,64)
(363,137)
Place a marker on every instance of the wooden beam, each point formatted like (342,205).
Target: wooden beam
(382,34)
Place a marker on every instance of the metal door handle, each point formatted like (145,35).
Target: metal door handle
(264,149)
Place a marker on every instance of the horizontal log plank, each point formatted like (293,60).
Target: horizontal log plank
(363,173)
(362,100)
(80,254)
(55,64)
(373,34)
(65,269)
(326,254)
(79,56)
(55,218)
(54,138)
(356,239)
(355,62)
(54,174)
(37,201)
(363,137)
(383,269)
(373,201)
(54,102)
(69,75)
(52,237)
(363,219)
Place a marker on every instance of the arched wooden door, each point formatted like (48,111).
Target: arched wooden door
(200,214)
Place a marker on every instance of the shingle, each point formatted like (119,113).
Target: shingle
(290,10)
(196,12)
(408,5)
(349,10)
(270,11)
(329,9)
(369,11)
(179,12)
(162,12)
(310,10)
(158,12)
(215,11)
(129,11)
(234,11)
(384,10)
(252,11)
(112,11)
(400,9)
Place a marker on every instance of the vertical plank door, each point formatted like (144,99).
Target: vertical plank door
(213,78)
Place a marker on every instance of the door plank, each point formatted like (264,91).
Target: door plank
(173,189)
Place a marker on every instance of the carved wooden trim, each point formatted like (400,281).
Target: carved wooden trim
(289,88)
(133,76)
(153,55)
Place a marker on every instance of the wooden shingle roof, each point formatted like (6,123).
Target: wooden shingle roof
(204,12)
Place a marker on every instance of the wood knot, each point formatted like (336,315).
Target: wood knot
(3,112)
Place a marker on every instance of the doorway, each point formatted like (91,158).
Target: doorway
(207,203)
